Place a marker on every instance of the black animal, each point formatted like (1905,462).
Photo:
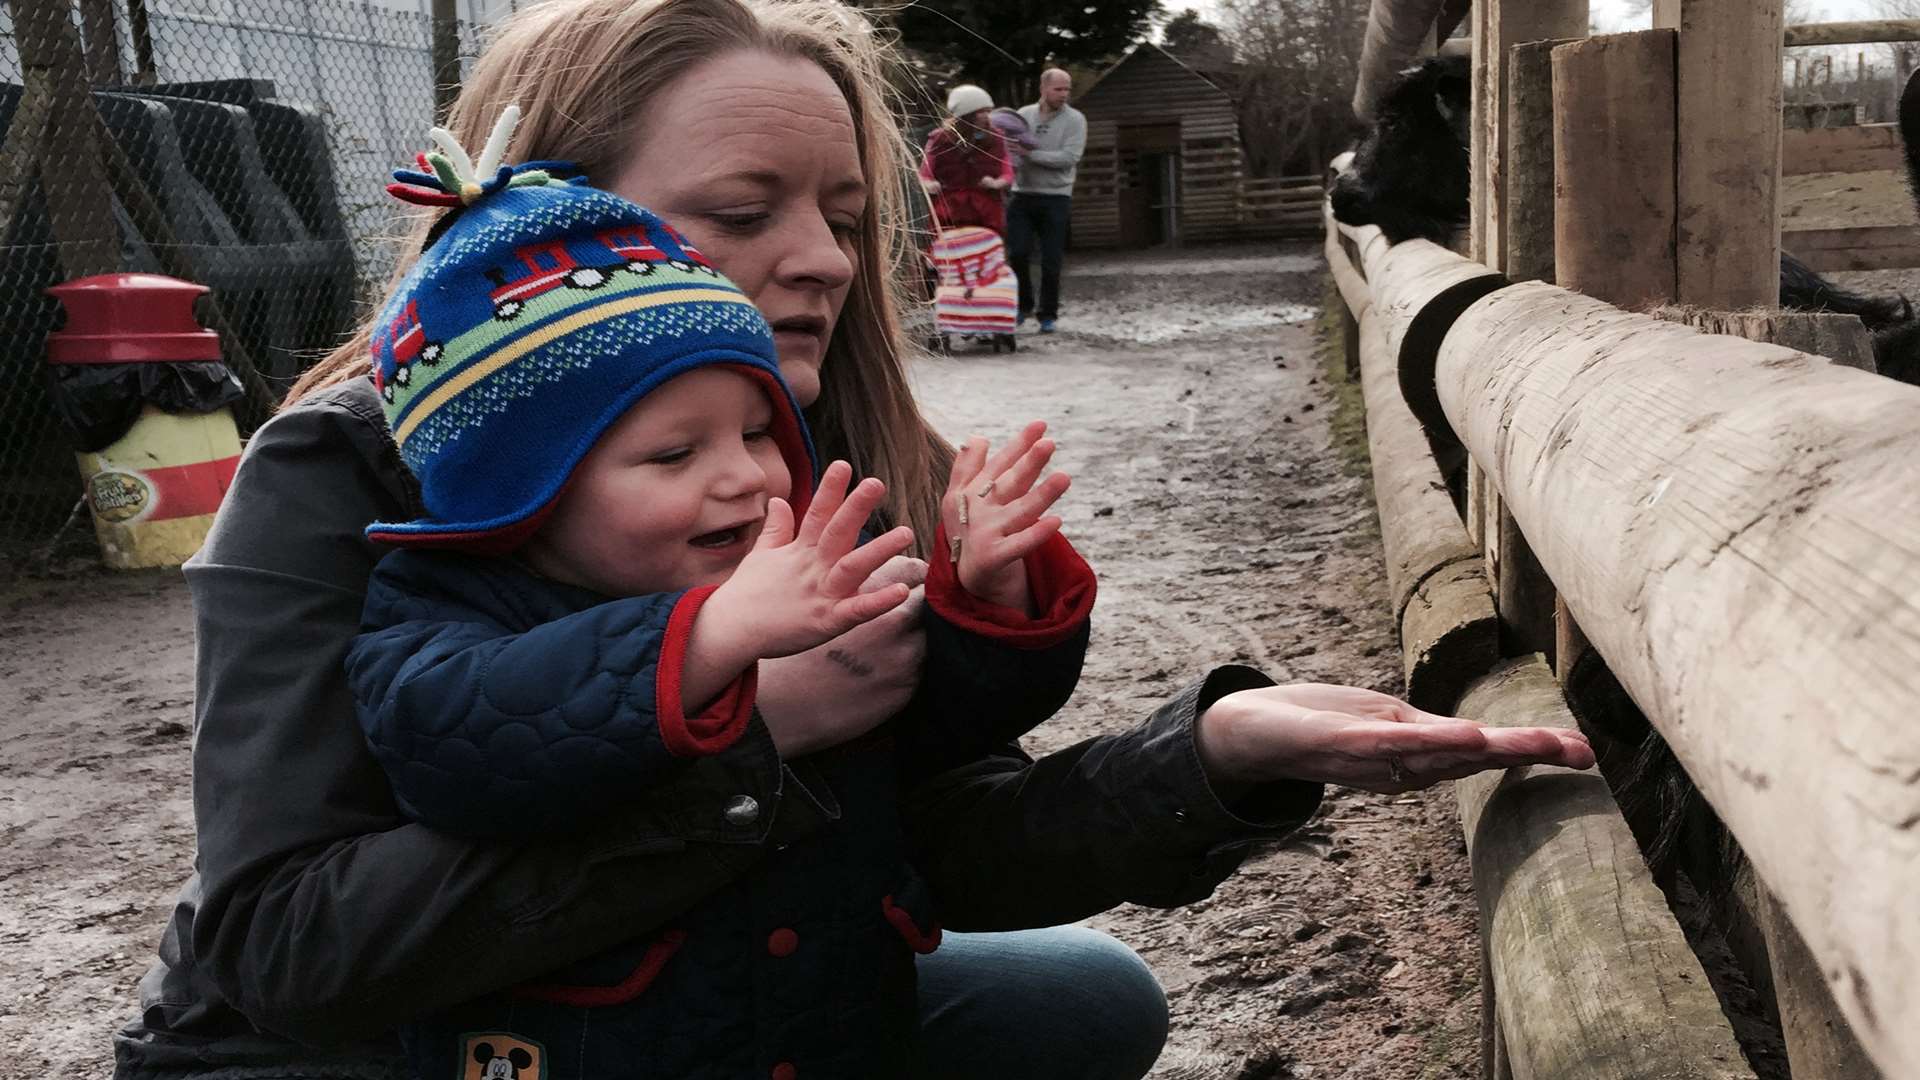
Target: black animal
(1410,174)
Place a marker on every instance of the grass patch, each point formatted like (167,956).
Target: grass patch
(1349,423)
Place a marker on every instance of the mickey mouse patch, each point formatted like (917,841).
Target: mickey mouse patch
(497,1055)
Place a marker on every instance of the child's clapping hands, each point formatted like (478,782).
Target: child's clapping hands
(996,514)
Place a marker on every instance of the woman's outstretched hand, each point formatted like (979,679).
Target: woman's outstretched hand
(1361,739)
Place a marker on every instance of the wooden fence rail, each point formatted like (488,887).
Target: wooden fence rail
(1733,525)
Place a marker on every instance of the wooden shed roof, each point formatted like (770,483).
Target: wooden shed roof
(1143,53)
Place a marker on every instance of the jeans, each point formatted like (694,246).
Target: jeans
(1041,217)
(1064,1003)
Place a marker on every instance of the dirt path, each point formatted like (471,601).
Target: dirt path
(1194,417)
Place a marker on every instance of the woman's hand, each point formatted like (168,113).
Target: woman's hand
(1361,739)
(996,513)
(993,183)
(843,689)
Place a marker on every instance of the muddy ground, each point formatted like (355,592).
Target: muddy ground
(1209,495)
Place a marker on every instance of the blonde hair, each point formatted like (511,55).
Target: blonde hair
(583,73)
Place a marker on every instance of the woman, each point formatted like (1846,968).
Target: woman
(967,160)
(318,916)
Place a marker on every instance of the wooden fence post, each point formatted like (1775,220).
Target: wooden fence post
(1727,82)
(58,99)
(446,56)
(1523,592)
(1499,25)
(1613,151)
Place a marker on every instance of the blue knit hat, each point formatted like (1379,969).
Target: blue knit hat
(539,314)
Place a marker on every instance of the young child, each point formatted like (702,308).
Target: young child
(610,472)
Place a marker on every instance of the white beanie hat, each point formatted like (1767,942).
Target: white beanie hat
(967,98)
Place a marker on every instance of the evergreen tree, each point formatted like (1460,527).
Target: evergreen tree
(1003,45)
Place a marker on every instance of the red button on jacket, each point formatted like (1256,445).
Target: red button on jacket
(782,942)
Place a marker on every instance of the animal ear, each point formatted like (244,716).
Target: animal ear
(520,1058)
(483,1053)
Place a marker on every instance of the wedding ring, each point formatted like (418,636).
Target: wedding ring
(985,491)
(953,549)
(1396,769)
(963,511)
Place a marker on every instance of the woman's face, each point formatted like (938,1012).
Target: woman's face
(753,157)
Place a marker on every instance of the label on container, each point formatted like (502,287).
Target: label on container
(119,497)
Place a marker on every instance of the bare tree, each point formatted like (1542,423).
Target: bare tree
(1294,82)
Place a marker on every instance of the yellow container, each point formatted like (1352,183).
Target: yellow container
(154,492)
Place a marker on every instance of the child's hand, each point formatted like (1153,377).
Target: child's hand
(992,511)
(796,590)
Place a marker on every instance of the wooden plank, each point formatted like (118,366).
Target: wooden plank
(1593,977)
(1734,526)
(1528,240)
(1613,155)
(1853,33)
(1861,148)
(1727,168)
(1864,247)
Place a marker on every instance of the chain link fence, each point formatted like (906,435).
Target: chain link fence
(240,144)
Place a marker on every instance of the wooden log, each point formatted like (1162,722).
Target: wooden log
(1523,595)
(1448,633)
(1864,247)
(1593,977)
(1853,33)
(1419,530)
(1528,239)
(1475,515)
(1346,276)
(1419,288)
(1449,636)
(1820,1042)
(1842,339)
(1396,33)
(1734,525)
(1613,154)
(1861,148)
(1506,23)
(1727,81)
(1758,934)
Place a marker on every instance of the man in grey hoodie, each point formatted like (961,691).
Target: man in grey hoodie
(1043,195)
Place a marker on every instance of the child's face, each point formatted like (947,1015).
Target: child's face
(673,495)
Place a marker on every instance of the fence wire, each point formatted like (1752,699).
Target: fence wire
(241,144)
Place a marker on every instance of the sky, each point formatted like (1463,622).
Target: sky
(1611,15)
